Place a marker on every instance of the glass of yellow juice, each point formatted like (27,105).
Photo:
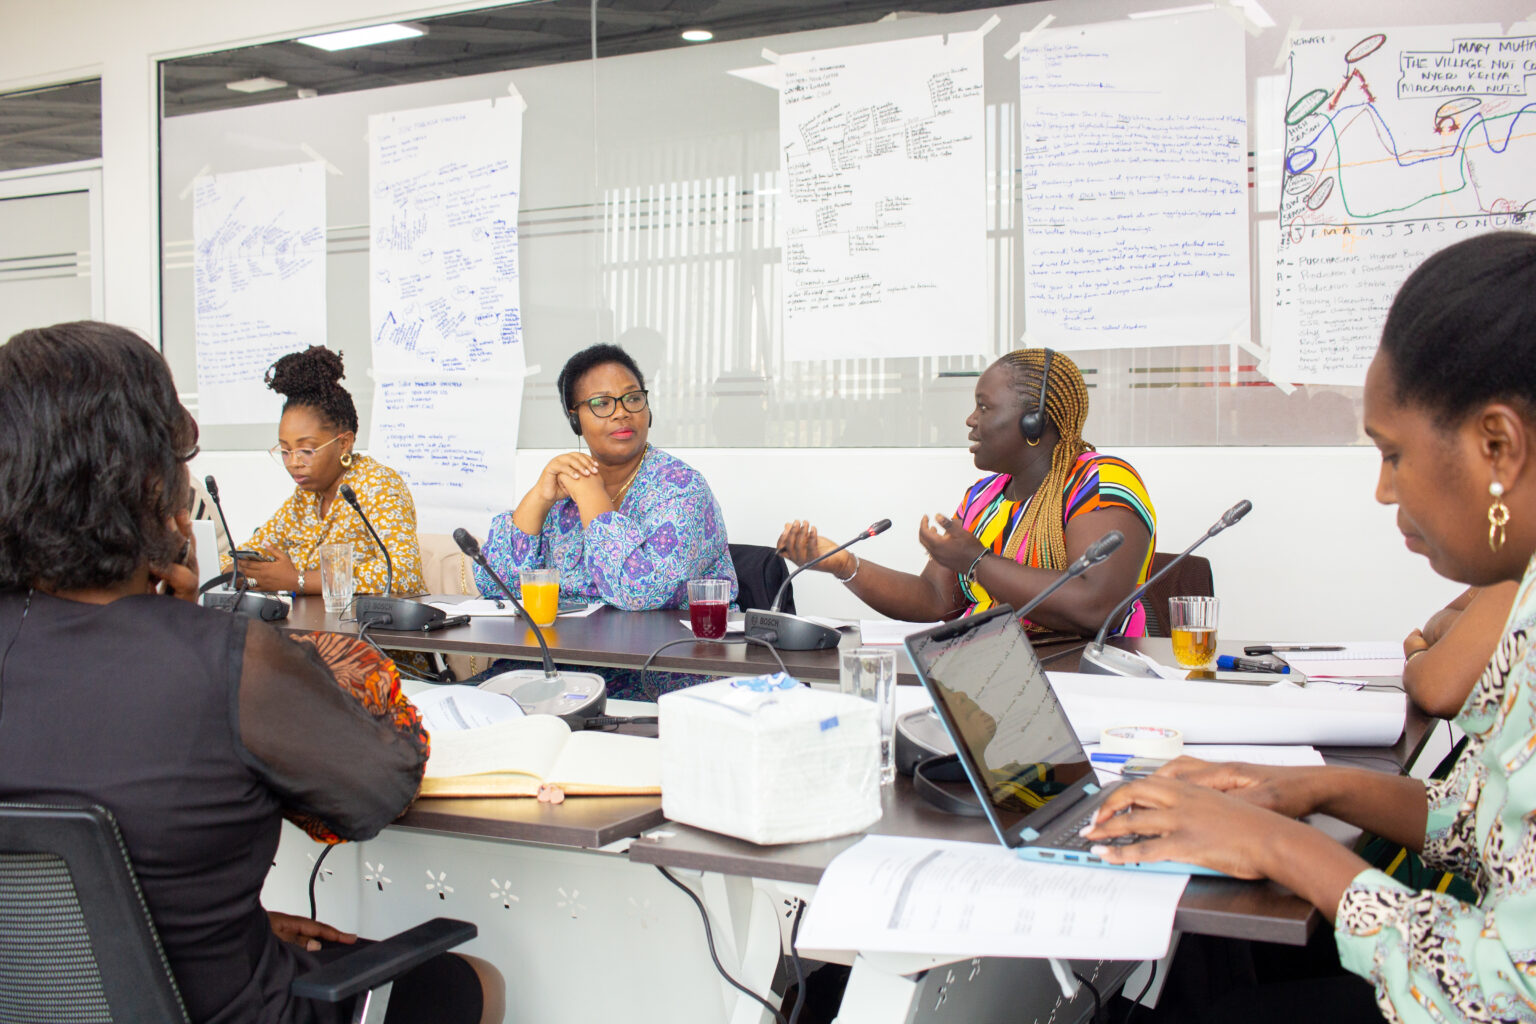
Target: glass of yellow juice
(541,594)
(1192,621)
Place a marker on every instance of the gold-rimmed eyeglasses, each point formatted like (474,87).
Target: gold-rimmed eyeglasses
(282,456)
(604,406)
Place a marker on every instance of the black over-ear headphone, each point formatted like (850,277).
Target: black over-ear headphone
(574,417)
(1032,423)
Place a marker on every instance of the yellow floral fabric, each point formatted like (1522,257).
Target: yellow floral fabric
(299,528)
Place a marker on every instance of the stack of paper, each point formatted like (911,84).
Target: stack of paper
(895,894)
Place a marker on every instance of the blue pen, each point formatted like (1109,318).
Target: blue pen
(1228,663)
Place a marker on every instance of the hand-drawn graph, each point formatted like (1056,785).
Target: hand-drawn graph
(884,200)
(1397,143)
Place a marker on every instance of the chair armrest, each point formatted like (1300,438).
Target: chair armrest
(372,965)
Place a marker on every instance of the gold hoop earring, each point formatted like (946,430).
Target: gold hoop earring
(1498,516)
(346,460)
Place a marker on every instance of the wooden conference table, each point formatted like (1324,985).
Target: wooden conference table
(744,884)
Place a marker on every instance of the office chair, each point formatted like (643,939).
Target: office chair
(77,942)
(760,570)
(1191,578)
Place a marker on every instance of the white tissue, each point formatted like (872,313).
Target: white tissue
(765,759)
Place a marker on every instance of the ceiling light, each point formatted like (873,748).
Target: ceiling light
(371,36)
(1191,9)
(258,84)
(698,35)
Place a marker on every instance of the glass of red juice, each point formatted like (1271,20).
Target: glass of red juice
(708,602)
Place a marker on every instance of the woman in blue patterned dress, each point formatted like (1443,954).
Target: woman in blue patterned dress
(1450,401)
(625,523)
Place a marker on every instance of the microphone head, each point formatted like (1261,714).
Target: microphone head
(1104,546)
(212,485)
(1236,512)
(878,528)
(348,494)
(466,542)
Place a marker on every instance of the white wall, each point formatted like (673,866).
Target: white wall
(1317,558)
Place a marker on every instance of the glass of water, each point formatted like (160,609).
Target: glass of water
(336,582)
(870,672)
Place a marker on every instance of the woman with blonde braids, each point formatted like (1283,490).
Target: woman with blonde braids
(1049,496)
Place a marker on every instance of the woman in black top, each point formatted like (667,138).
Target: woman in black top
(198,730)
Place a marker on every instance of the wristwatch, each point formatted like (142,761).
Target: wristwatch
(300,588)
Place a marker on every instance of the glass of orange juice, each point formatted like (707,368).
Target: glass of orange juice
(1192,621)
(541,594)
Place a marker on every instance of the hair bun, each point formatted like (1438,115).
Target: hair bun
(313,371)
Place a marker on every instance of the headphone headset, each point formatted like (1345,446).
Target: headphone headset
(1032,423)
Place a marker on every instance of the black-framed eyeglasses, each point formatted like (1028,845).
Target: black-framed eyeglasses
(604,406)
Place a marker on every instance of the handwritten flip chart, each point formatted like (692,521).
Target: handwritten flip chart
(1133,144)
(444,299)
(447,437)
(884,200)
(258,269)
(1398,142)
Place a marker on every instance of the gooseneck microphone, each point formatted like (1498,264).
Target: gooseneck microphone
(255,606)
(793,632)
(573,696)
(1096,553)
(387,612)
(1108,661)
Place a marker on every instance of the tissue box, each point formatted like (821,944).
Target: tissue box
(765,759)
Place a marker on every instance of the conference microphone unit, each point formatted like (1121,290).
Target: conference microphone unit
(1109,661)
(239,600)
(794,632)
(387,612)
(919,734)
(571,696)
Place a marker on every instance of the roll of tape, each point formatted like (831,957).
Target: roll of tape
(1142,741)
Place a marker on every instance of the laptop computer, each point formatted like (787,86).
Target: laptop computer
(1019,751)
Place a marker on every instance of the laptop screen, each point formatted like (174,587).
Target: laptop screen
(991,689)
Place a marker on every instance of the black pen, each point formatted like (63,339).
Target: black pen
(1275,648)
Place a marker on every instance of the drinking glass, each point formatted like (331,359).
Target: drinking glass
(708,603)
(1192,621)
(541,594)
(336,582)
(870,672)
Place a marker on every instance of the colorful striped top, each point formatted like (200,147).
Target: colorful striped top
(1095,482)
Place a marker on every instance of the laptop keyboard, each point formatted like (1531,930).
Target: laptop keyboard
(1068,835)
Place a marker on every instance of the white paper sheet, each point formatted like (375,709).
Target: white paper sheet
(456,708)
(1397,143)
(884,200)
(258,269)
(897,894)
(1223,713)
(444,303)
(1135,183)
(888,632)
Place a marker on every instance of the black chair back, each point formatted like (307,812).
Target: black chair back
(76,940)
(760,570)
(1190,578)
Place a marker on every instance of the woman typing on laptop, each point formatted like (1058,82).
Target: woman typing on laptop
(1450,401)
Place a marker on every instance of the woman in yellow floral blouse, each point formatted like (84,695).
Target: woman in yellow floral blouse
(314,444)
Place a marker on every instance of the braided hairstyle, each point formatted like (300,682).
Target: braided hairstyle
(1066,407)
(311,379)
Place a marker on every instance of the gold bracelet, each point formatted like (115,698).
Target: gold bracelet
(857,565)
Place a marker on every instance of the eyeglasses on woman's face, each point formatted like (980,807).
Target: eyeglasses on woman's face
(283,456)
(604,406)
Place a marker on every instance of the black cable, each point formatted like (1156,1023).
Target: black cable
(1151,976)
(794,955)
(1098,1004)
(314,874)
(709,936)
(645,686)
(409,673)
(25,608)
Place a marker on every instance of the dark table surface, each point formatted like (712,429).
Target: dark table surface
(611,637)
